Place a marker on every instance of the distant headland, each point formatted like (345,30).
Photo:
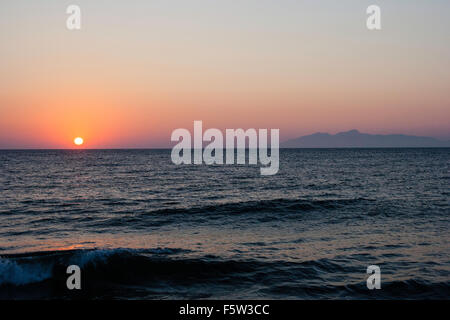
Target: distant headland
(356,139)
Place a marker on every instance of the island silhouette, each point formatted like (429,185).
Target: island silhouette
(356,139)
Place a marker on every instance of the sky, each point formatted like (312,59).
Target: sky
(137,70)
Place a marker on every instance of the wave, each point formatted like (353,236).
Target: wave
(279,204)
(254,210)
(163,273)
(28,268)
(261,211)
(16,273)
(283,204)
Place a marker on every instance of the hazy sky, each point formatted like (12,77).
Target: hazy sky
(139,69)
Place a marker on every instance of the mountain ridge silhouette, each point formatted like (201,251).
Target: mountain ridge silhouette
(355,139)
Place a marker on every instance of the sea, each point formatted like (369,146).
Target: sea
(141,227)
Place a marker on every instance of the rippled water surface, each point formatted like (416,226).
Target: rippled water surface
(141,227)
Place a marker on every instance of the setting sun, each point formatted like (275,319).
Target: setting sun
(78,141)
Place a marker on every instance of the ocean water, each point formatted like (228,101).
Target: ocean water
(141,227)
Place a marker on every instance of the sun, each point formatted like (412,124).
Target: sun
(78,141)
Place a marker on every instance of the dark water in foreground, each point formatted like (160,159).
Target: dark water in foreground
(141,227)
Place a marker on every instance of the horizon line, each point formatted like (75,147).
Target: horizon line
(169,148)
